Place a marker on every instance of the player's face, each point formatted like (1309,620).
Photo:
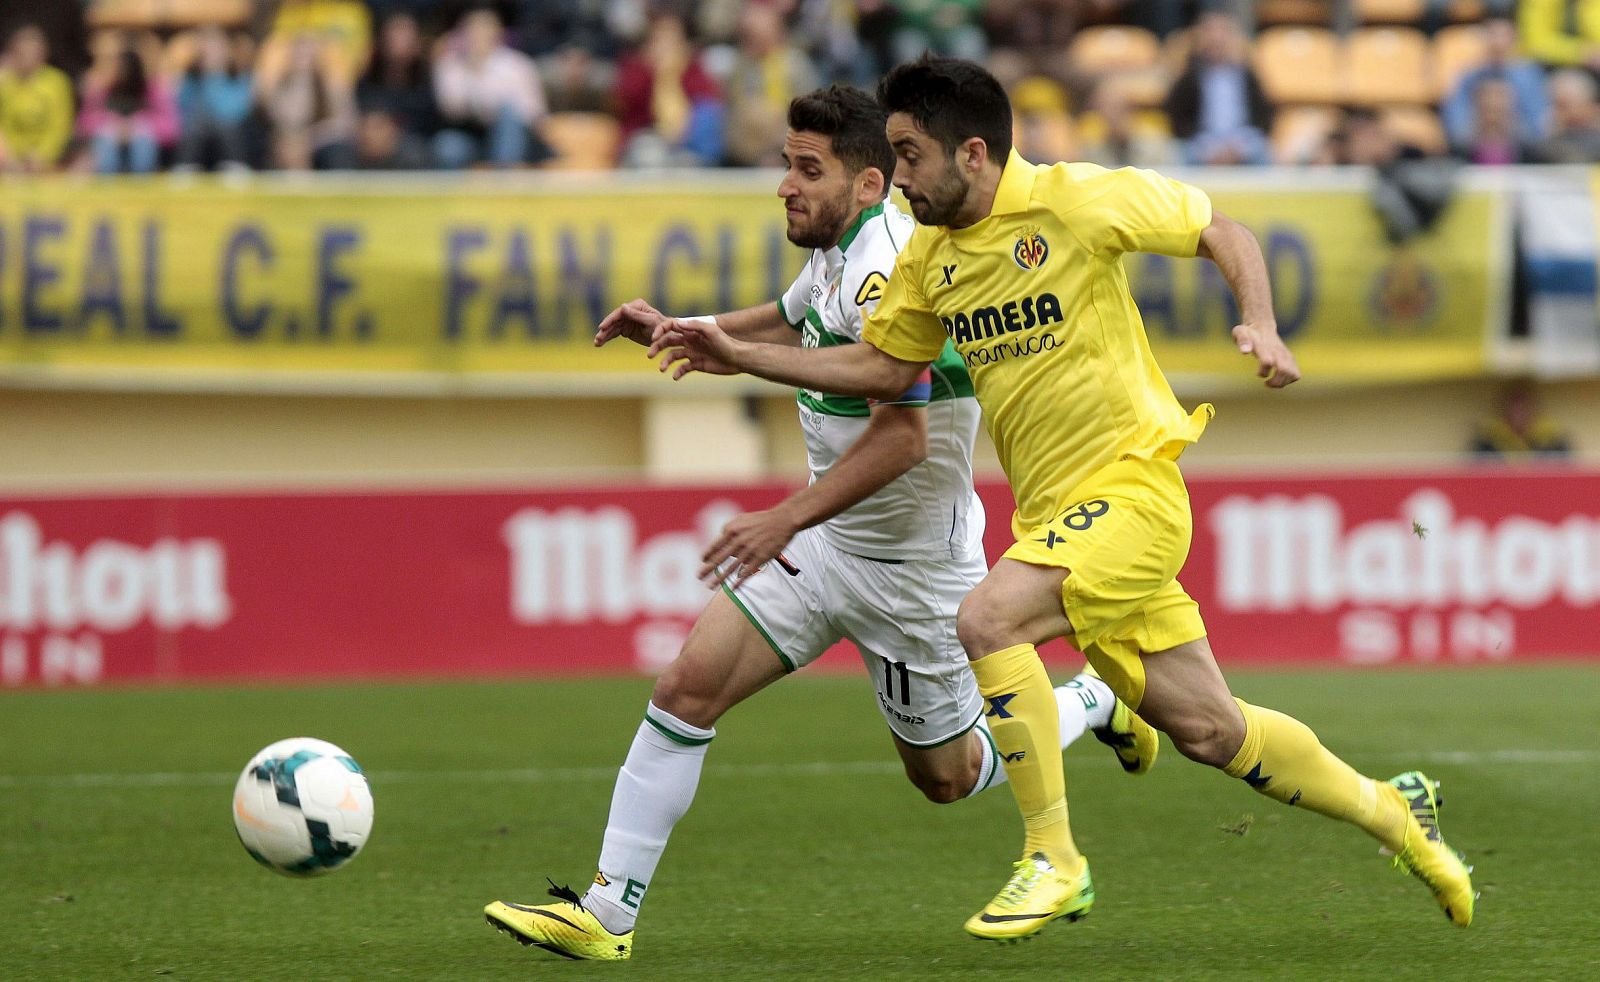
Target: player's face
(817,191)
(928,176)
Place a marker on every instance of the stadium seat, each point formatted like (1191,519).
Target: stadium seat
(1418,126)
(582,141)
(1387,65)
(1100,50)
(1299,65)
(1310,13)
(1466,11)
(1298,131)
(1456,49)
(151,14)
(1408,12)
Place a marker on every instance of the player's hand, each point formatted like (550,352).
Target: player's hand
(1275,360)
(694,346)
(635,320)
(746,544)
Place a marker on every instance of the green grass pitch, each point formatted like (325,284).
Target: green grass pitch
(806,855)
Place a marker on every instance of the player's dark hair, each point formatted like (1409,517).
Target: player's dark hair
(953,101)
(853,120)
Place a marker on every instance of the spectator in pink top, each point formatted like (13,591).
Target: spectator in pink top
(128,116)
(490,98)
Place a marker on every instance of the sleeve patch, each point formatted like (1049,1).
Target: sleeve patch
(871,288)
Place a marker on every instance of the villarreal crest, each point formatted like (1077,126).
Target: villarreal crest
(1031,250)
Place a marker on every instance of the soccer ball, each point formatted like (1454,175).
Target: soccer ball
(302,807)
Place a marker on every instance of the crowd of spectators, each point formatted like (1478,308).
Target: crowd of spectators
(409,84)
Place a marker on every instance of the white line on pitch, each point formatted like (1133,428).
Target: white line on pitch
(534,775)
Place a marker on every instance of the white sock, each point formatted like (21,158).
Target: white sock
(991,772)
(654,789)
(1083,703)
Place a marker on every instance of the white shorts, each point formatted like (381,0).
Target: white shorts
(900,615)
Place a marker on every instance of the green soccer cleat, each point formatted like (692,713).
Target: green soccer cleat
(1425,854)
(1132,739)
(1036,894)
(565,928)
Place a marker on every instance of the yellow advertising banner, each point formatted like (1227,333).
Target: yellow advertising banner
(1351,304)
(337,278)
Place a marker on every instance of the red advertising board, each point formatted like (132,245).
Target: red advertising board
(1447,567)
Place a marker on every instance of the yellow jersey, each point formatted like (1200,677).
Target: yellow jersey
(1036,301)
(36,114)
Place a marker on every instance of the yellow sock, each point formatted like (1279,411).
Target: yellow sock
(1282,759)
(1022,717)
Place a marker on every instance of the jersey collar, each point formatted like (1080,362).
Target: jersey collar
(1015,191)
(855,229)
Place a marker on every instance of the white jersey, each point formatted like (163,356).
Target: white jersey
(931,511)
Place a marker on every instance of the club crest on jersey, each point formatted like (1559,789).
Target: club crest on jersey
(1031,249)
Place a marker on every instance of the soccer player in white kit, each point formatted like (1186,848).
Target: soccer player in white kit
(879,548)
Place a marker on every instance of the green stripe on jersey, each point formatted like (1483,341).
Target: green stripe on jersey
(785,314)
(828,404)
(950,378)
(948,373)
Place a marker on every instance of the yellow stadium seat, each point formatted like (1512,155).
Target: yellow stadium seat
(1298,130)
(582,141)
(152,14)
(1387,65)
(1299,64)
(1112,48)
(1313,13)
(1466,11)
(1416,125)
(1456,50)
(1390,11)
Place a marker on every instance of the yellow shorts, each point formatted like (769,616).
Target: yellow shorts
(1124,536)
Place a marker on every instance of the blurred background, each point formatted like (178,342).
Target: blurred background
(296,300)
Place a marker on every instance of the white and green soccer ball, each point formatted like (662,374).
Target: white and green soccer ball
(302,807)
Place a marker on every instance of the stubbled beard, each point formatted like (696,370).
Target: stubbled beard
(826,226)
(943,201)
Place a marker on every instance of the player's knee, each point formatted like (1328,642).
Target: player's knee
(1207,738)
(687,696)
(982,626)
(942,789)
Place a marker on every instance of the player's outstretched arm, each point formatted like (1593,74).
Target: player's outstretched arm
(846,369)
(895,440)
(1238,257)
(638,321)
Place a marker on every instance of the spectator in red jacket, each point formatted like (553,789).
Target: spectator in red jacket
(671,108)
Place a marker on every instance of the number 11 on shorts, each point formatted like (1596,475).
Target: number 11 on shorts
(890,669)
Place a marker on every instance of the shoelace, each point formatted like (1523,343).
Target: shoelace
(1026,875)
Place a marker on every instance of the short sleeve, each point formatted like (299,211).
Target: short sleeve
(1143,211)
(903,324)
(792,302)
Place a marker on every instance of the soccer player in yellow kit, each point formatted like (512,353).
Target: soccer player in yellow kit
(1020,266)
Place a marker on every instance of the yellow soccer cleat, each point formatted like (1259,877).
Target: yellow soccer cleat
(564,928)
(1132,739)
(1425,855)
(1035,895)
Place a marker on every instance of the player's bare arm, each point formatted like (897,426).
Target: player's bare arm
(847,370)
(638,321)
(1238,256)
(895,440)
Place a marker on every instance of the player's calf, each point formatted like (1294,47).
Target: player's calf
(946,773)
